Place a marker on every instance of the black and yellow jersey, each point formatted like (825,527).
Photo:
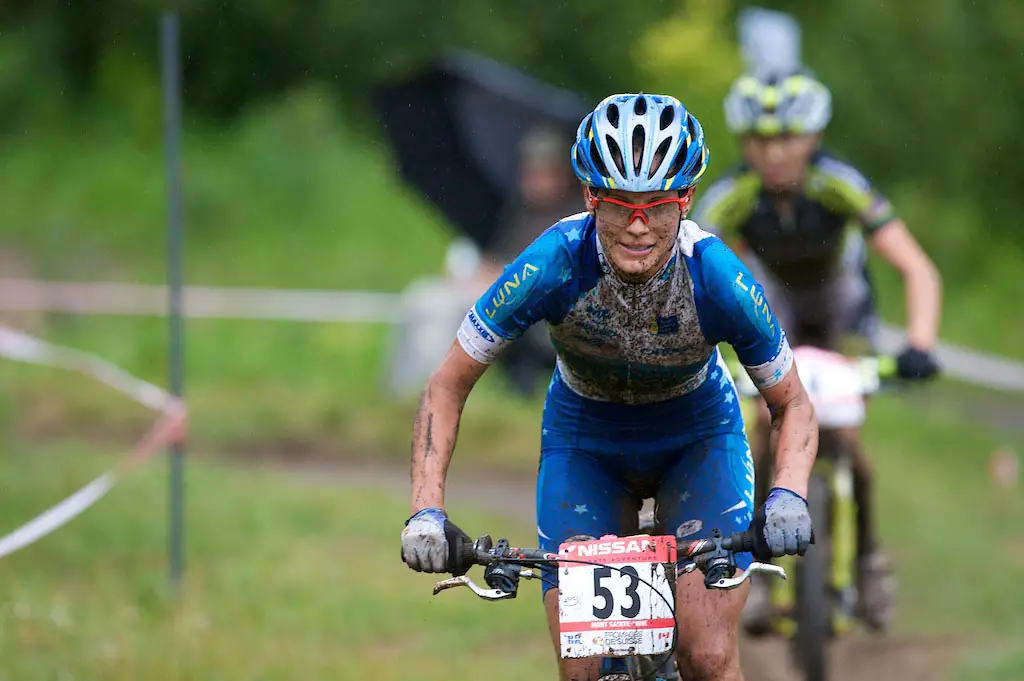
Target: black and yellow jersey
(802,247)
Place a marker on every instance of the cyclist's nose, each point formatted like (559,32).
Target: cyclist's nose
(775,152)
(637,227)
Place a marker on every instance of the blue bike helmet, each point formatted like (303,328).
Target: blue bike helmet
(640,143)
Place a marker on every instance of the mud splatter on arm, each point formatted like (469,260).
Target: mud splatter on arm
(794,435)
(436,426)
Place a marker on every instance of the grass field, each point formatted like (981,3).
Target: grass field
(319,394)
(284,581)
(288,580)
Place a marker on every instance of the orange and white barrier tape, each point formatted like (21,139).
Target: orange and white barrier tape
(170,427)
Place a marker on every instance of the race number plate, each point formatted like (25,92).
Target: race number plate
(608,609)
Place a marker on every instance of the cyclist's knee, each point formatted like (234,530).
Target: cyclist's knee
(850,438)
(708,645)
(708,659)
(862,466)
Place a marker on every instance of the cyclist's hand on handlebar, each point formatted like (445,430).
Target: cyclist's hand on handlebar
(432,543)
(913,363)
(782,526)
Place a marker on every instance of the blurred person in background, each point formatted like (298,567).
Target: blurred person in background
(544,195)
(641,404)
(800,218)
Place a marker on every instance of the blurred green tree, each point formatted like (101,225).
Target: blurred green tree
(927,92)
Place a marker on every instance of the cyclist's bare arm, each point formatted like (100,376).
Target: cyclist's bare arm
(921,281)
(437,425)
(794,433)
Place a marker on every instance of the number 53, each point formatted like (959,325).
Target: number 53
(605,611)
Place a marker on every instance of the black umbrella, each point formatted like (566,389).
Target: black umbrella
(455,129)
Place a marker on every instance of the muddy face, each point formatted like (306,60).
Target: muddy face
(636,243)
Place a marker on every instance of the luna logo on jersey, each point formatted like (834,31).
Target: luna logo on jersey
(506,291)
(761,312)
(480,328)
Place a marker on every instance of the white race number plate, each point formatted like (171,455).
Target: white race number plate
(608,609)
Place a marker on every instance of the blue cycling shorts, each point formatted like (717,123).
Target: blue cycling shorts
(600,460)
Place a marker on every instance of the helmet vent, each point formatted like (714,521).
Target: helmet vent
(616,152)
(692,129)
(613,115)
(668,114)
(639,144)
(677,164)
(595,158)
(659,156)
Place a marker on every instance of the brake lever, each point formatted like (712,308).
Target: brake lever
(486,594)
(727,583)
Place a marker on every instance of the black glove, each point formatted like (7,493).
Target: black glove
(782,526)
(916,364)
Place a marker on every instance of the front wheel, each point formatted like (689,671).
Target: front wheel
(813,603)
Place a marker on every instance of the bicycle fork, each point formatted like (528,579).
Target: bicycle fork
(841,545)
(844,543)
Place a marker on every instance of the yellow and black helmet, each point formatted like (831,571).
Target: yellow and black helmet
(778,104)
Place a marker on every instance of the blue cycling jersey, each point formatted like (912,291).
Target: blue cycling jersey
(640,405)
(631,343)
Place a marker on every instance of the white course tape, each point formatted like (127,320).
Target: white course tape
(50,520)
(170,427)
(211,302)
(21,346)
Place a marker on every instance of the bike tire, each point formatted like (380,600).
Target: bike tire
(813,602)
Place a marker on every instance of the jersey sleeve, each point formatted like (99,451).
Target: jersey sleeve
(844,189)
(733,309)
(726,205)
(523,295)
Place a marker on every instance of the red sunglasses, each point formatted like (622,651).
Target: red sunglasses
(623,212)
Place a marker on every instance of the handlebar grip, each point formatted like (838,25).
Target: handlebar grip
(461,554)
(741,542)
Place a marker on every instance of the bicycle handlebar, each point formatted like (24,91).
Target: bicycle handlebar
(505,565)
(484,552)
(737,542)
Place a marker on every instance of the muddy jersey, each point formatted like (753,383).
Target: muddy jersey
(801,246)
(630,343)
